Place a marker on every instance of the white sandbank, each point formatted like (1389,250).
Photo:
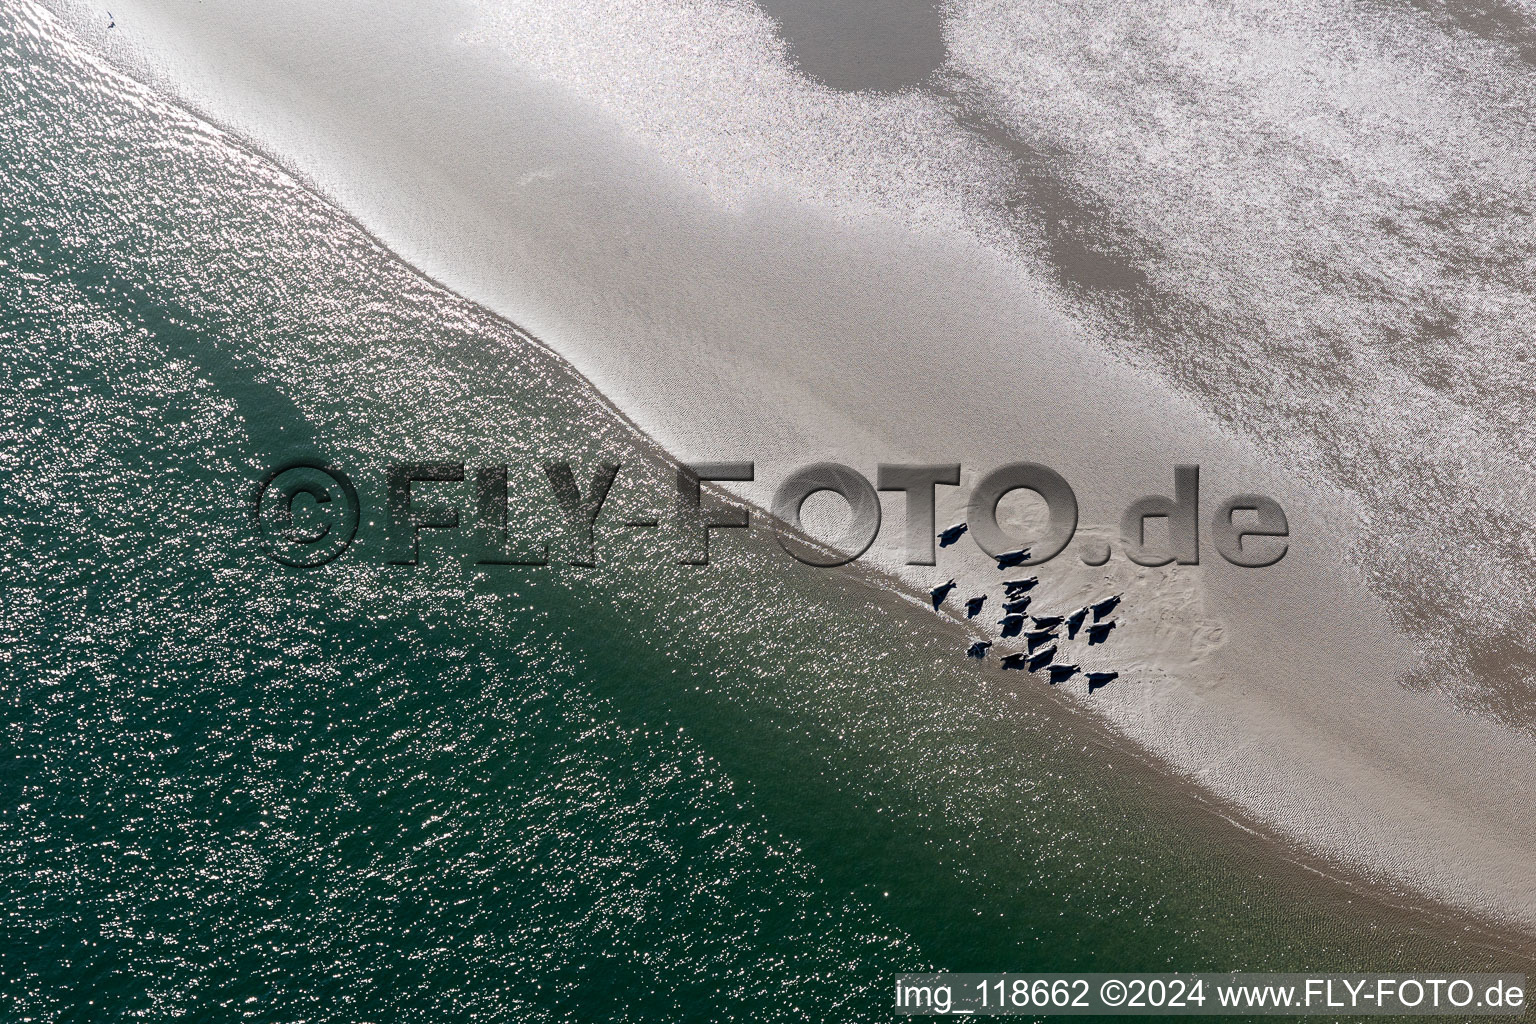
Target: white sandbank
(827,286)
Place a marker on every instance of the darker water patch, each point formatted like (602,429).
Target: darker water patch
(863,45)
(1495,21)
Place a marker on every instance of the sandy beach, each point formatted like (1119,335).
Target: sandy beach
(753,264)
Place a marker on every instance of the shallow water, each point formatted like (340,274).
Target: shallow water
(371,792)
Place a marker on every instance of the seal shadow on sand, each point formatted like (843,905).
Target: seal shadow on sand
(1168,630)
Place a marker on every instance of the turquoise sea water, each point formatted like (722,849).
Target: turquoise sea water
(369,792)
